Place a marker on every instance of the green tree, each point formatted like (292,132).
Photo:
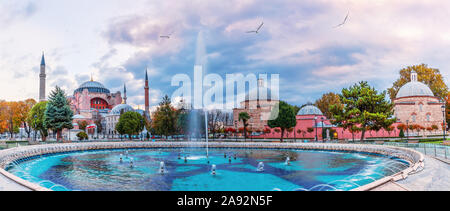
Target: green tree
(429,76)
(82,136)
(58,115)
(282,116)
(36,119)
(363,109)
(130,123)
(165,118)
(244,117)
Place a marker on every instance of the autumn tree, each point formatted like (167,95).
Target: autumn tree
(326,101)
(429,76)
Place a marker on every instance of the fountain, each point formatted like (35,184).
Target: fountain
(260,166)
(161,167)
(131,163)
(288,161)
(213,169)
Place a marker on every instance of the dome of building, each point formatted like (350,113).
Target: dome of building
(121,108)
(414,88)
(93,86)
(310,110)
(78,116)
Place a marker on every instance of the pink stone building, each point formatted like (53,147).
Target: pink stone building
(416,104)
(93,98)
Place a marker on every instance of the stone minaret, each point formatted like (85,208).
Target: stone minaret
(42,80)
(124,94)
(147,102)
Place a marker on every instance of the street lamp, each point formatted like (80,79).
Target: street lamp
(315,125)
(323,138)
(35,116)
(407,128)
(444,126)
(235,131)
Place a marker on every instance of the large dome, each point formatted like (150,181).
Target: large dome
(121,108)
(93,86)
(414,88)
(310,110)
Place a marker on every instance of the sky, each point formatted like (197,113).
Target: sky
(116,40)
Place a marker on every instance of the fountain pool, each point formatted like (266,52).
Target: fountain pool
(100,170)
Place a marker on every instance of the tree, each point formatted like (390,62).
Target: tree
(429,76)
(215,121)
(36,117)
(82,136)
(363,109)
(165,118)
(284,118)
(130,123)
(326,101)
(58,115)
(82,125)
(244,117)
(27,105)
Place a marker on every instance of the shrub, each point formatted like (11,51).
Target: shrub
(401,134)
(82,136)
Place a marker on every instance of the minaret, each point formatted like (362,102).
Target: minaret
(42,80)
(125,94)
(147,102)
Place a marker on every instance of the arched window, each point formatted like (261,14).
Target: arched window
(428,117)
(413,117)
(420,107)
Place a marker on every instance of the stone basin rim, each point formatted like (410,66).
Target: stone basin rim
(413,157)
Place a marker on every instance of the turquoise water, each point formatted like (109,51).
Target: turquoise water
(236,170)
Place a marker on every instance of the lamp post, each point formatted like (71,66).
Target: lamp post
(323,138)
(444,126)
(35,116)
(315,125)
(407,128)
(235,131)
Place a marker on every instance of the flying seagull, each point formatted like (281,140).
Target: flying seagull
(259,27)
(343,22)
(166,36)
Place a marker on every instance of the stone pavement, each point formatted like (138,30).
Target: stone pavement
(435,177)
(7,185)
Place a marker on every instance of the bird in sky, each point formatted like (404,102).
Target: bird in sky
(166,36)
(343,22)
(257,30)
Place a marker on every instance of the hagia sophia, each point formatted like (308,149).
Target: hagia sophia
(92,101)
(415,103)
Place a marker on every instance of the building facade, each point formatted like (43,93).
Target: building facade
(258,104)
(416,104)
